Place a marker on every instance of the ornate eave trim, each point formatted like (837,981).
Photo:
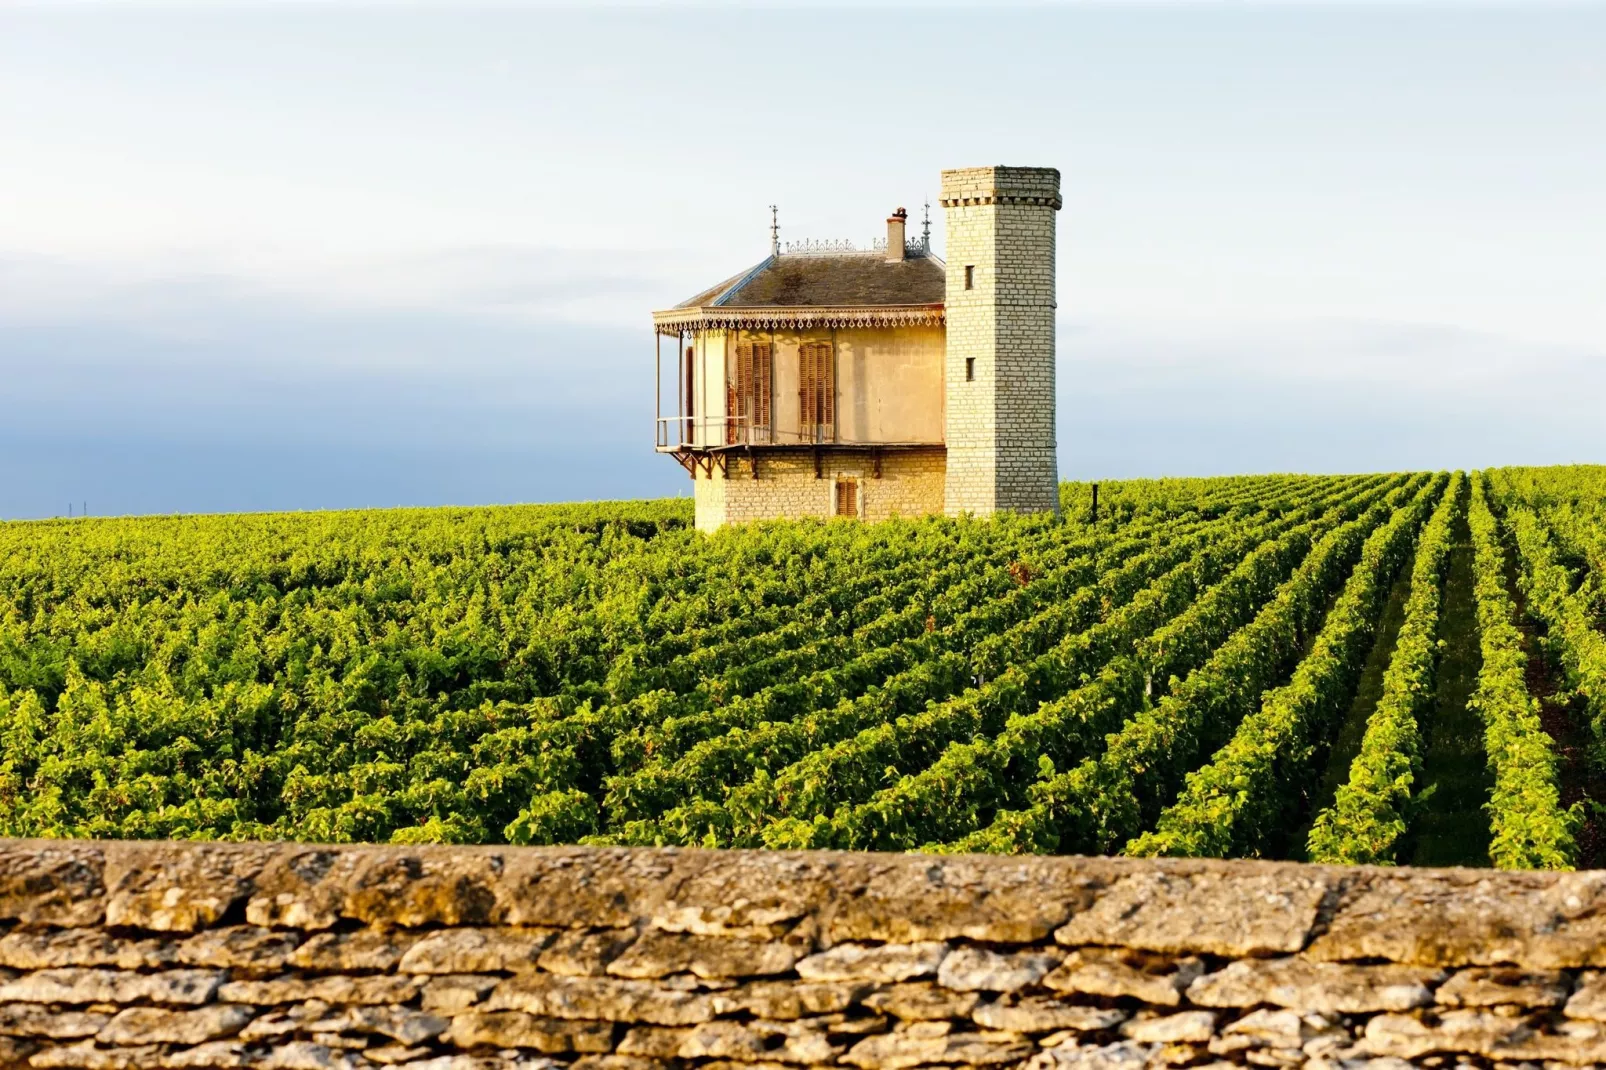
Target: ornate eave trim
(674,320)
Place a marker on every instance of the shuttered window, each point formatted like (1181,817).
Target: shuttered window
(816,391)
(762,380)
(690,432)
(847,497)
(748,392)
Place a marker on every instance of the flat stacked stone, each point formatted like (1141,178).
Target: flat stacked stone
(289,957)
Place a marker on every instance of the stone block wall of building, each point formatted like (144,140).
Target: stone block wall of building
(128,956)
(910,485)
(708,500)
(1000,357)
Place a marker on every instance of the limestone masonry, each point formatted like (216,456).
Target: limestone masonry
(1000,307)
(299,957)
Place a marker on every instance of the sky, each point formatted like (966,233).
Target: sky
(315,255)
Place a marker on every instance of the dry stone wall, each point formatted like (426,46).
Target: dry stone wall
(298,957)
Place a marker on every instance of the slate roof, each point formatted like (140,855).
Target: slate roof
(846,280)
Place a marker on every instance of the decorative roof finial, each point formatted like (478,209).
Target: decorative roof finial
(925,229)
(775,232)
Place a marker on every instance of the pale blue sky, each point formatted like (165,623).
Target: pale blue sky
(309,255)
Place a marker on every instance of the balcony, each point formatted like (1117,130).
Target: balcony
(711,442)
(676,433)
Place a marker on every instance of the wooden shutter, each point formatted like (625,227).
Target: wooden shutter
(690,434)
(744,392)
(847,497)
(828,389)
(805,389)
(816,390)
(749,393)
(736,392)
(761,380)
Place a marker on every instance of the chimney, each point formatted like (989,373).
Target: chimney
(895,225)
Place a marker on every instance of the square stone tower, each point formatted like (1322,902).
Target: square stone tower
(1000,348)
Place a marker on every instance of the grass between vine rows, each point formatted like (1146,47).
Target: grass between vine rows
(1564,718)
(1450,827)
(1347,742)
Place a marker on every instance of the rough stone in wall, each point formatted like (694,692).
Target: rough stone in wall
(297,957)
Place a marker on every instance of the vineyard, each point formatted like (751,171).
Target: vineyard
(1405,668)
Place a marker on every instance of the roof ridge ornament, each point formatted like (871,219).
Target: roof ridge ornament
(844,246)
(775,231)
(826,247)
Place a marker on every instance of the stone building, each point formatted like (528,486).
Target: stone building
(831,381)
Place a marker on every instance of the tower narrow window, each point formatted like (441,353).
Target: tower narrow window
(970,369)
(970,276)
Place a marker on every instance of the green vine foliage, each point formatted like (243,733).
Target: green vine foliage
(1105,800)
(1129,658)
(1530,829)
(1568,611)
(1372,808)
(764,784)
(1256,784)
(1161,678)
(479,675)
